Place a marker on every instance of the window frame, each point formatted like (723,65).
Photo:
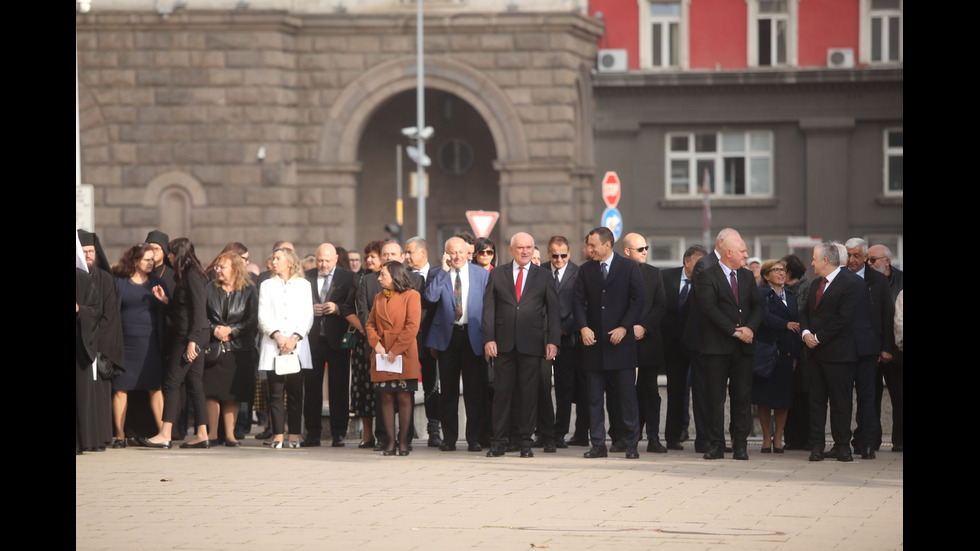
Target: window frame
(888,154)
(718,159)
(792,33)
(646,34)
(868,14)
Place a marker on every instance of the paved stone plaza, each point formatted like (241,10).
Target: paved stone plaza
(326,498)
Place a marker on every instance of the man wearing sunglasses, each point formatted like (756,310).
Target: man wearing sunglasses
(568,363)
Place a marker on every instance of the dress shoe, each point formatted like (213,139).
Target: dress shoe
(264,435)
(740,453)
(832,453)
(526,452)
(631,453)
(560,443)
(685,436)
(403,453)
(549,447)
(675,446)
(473,447)
(388,453)
(369,445)
(654,446)
(233,444)
(338,442)
(496,451)
(868,453)
(434,441)
(845,455)
(447,447)
(596,451)
(578,441)
(816,455)
(617,447)
(158,445)
(777,450)
(310,443)
(118,443)
(202,445)
(766,449)
(715,452)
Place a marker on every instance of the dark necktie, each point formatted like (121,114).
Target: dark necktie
(458,296)
(683,296)
(823,285)
(604,269)
(520,282)
(734,282)
(556,279)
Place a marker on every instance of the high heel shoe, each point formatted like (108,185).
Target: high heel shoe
(390,452)
(403,453)
(294,444)
(777,450)
(277,445)
(766,449)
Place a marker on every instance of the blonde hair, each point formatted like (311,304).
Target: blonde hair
(295,268)
(239,279)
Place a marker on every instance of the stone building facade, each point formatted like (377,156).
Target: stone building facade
(175,110)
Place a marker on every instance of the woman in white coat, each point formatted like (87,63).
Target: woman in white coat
(285,319)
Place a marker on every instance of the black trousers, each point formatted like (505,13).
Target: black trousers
(868,431)
(565,368)
(290,386)
(702,440)
(677,363)
(338,377)
(734,371)
(623,381)
(545,420)
(833,381)
(178,371)
(892,373)
(517,377)
(430,388)
(649,401)
(458,360)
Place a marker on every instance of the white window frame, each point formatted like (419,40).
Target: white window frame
(866,15)
(792,33)
(717,159)
(889,153)
(646,34)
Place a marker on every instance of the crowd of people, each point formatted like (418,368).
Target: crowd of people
(169,351)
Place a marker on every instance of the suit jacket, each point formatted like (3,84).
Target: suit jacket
(675,315)
(566,295)
(692,328)
(874,330)
(439,293)
(329,330)
(721,314)
(395,323)
(833,321)
(526,325)
(603,305)
(650,349)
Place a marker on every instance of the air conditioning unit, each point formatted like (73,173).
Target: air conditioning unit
(611,61)
(840,58)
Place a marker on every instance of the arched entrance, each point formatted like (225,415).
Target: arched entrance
(462,176)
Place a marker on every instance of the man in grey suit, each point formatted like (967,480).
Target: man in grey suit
(520,315)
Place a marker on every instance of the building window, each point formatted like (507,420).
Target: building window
(772,33)
(663,33)
(881,31)
(894,175)
(455,157)
(728,164)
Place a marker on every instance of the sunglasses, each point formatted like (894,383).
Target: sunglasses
(641,249)
(488,252)
(557,256)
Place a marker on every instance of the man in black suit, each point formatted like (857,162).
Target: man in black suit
(649,341)
(608,303)
(891,373)
(731,311)
(569,360)
(520,315)
(333,290)
(692,340)
(828,331)
(417,260)
(874,336)
(677,359)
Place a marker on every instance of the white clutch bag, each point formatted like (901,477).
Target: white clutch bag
(287,364)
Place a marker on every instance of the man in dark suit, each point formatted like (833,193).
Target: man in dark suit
(417,260)
(677,359)
(333,290)
(692,340)
(521,324)
(874,336)
(608,303)
(649,341)
(731,311)
(569,360)
(455,291)
(828,331)
(891,372)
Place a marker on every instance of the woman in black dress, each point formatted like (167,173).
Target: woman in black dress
(188,310)
(233,317)
(780,326)
(141,312)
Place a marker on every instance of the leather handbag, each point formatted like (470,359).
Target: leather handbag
(349,340)
(287,364)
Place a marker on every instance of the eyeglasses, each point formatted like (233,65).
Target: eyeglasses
(488,252)
(875,259)
(780,270)
(557,256)
(220,268)
(641,249)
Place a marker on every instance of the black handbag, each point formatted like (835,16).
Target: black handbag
(349,340)
(213,353)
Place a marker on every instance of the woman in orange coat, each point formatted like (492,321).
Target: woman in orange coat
(392,327)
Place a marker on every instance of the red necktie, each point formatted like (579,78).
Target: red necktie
(520,282)
(823,285)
